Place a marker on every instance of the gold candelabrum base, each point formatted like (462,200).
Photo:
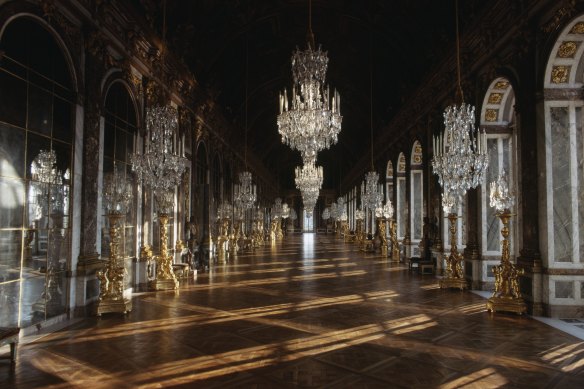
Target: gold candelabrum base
(394,241)
(359,235)
(165,277)
(506,297)
(454,277)
(111,278)
(234,245)
(222,239)
(381,232)
(279,232)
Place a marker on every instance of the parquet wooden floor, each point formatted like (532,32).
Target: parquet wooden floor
(310,312)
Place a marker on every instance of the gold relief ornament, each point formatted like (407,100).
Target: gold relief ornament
(567,49)
(560,74)
(578,28)
(491,115)
(501,84)
(495,98)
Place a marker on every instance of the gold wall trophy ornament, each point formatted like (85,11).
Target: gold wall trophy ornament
(453,277)
(117,193)
(506,296)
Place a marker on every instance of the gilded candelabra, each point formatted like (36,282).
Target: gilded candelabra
(117,193)
(160,168)
(454,276)
(360,234)
(48,181)
(394,241)
(165,277)
(111,278)
(506,296)
(383,214)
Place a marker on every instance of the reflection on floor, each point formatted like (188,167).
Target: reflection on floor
(304,314)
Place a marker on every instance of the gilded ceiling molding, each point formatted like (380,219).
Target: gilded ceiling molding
(561,15)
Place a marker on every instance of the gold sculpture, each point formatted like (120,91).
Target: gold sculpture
(360,234)
(454,277)
(111,278)
(165,277)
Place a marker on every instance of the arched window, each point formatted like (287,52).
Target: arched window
(389,183)
(401,205)
(119,140)
(36,114)
(498,121)
(562,227)
(416,196)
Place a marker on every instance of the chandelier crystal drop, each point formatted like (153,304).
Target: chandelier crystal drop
(245,193)
(460,153)
(371,191)
(160,167)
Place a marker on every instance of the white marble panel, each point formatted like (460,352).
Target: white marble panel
(561,185)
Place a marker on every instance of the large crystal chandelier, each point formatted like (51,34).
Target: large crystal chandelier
(277,208)
(460,152)
(371,191)
(309,181)
(245,194)
(310,120)
(160,167)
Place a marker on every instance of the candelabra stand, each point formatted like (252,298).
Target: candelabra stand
(506,296)
(273,230)
(165,277)
(222,238)
(234,246)
(454,277)
(279,232)
(382,235)
(394,241)
(111,279)
(359,233)
(49,302)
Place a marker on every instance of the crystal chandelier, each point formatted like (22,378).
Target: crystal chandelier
(359,214)
(460,153)
(224,211)
(309,181)
(160,167)
(371,191)
(245,193)
(500,197)
(326,214)
(310,121)
(52,195)
(385,211)
(117,192)
(277,208)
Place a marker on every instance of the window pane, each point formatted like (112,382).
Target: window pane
(40,117)
(12,100)
(62,120)
(12,140)
(561,186)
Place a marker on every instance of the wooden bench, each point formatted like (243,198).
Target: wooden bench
(424,266)
(9,335)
